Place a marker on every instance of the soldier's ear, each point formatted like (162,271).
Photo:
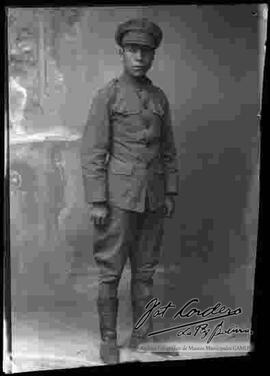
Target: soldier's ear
(121,52)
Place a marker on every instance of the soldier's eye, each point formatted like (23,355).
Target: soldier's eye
(131,49)
(147,50)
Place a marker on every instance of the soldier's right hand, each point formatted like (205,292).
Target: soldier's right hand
(99,213)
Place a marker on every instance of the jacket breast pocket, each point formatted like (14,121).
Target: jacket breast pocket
(156,108)
(160,171)
(119,167)
(157,167)
(125,109)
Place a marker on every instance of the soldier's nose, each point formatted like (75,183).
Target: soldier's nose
(138,54)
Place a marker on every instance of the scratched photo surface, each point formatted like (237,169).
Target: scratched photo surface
(209,65)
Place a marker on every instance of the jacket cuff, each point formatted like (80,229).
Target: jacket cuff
(95,191)
(172,184)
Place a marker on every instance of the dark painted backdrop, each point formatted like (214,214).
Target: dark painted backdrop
(208,67)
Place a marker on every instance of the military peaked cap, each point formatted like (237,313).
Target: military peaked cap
(138,31)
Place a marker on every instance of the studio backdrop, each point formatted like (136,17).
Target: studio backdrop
(210,67)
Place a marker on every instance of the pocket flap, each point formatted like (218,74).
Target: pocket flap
(124,108)
(119,167)
(160,171)
(158,167)
(156,108)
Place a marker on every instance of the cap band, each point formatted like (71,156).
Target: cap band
(137,37)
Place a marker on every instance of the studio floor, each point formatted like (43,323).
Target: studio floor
(56,326)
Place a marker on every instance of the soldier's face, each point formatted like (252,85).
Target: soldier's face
(137,59)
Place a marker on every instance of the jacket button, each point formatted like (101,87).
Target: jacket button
(147,124)
(132,204)
(145,141)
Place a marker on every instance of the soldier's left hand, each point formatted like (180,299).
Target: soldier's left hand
(169,206)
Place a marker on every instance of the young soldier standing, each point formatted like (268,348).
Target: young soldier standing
(130,175)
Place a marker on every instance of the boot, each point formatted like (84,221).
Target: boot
(139,335)
(107,311)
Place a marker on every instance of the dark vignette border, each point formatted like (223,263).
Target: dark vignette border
(259,317)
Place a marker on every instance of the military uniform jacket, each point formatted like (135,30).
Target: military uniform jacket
(127,149)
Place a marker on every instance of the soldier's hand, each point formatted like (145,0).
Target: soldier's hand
(169,206)
(99,213)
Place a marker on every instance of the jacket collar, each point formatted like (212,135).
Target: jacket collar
(139,83)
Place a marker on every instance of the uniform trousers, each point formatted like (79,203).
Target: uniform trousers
(128,235)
